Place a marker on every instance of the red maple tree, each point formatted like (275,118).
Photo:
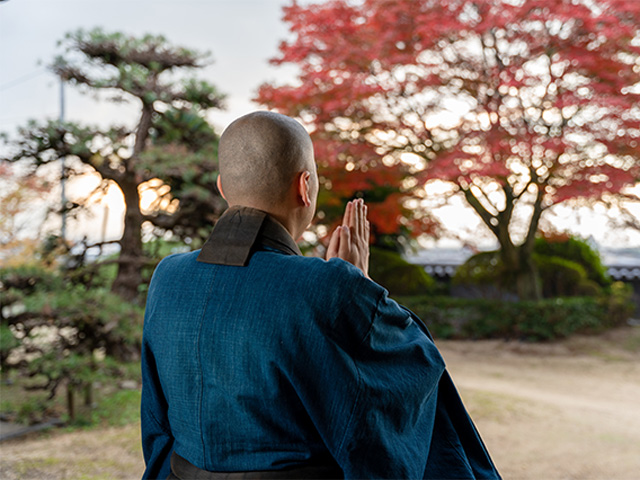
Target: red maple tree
(520,105)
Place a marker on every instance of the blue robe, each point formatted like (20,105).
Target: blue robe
(257,358)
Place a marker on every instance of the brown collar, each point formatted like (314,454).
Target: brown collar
(242,230)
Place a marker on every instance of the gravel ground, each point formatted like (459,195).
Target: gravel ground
(567,410)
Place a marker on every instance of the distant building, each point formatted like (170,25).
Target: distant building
(623,264)
(441,263)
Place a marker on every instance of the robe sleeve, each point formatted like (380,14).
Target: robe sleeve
(391,374)
(157,439)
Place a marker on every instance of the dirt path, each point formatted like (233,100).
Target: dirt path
(561,411)
(555,411)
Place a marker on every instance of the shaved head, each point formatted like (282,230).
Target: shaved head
(260,155)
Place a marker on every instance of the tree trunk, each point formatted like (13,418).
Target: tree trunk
(520,269)
(528,284)
(88,394)
(71,407)
(129,276)
(528,281)
(130,261)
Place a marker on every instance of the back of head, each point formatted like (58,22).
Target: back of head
(260,155)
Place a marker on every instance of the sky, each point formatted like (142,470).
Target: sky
(242,35)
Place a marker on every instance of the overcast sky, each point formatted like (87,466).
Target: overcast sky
(240,34)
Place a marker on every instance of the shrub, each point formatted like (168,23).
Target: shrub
(8,342)
(546,319)
(567,267)
(400,277)
(483,275)
(562,278)
(64,332)
(575,250)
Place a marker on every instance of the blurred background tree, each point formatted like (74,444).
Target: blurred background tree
(518,106)
(16,199)
(171,150)
(68,319)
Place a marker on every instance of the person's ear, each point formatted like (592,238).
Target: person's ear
(219,184)
(304,188)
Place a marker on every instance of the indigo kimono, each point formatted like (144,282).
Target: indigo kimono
(256,358)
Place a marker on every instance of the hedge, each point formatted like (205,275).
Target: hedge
(460,318)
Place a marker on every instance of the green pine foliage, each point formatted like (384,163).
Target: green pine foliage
(58,332)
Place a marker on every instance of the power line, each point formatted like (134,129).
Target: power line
(8,120)
(23,78)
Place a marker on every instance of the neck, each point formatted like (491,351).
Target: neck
(288,221)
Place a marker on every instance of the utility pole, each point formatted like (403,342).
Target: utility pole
(63,197)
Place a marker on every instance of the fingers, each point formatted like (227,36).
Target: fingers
(344,248)
(361,219)
(334,242)
(354,216)
(365,222)
(357,219)
(357,215)
(348,215)
(367,225)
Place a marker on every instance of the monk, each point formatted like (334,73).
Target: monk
(258,362)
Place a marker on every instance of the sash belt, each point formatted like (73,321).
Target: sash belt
(182,469)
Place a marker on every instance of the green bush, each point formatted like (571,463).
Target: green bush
(563,278)
(485,272)
(569,267)
(120,408)
(398,276)
(481,268)
(72,332)
(578,251)
(547,319)
(8,342)
(588,288)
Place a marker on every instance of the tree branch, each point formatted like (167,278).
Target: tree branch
(486,217)
(535,220)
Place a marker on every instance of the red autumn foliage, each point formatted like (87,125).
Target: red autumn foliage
(537,98)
